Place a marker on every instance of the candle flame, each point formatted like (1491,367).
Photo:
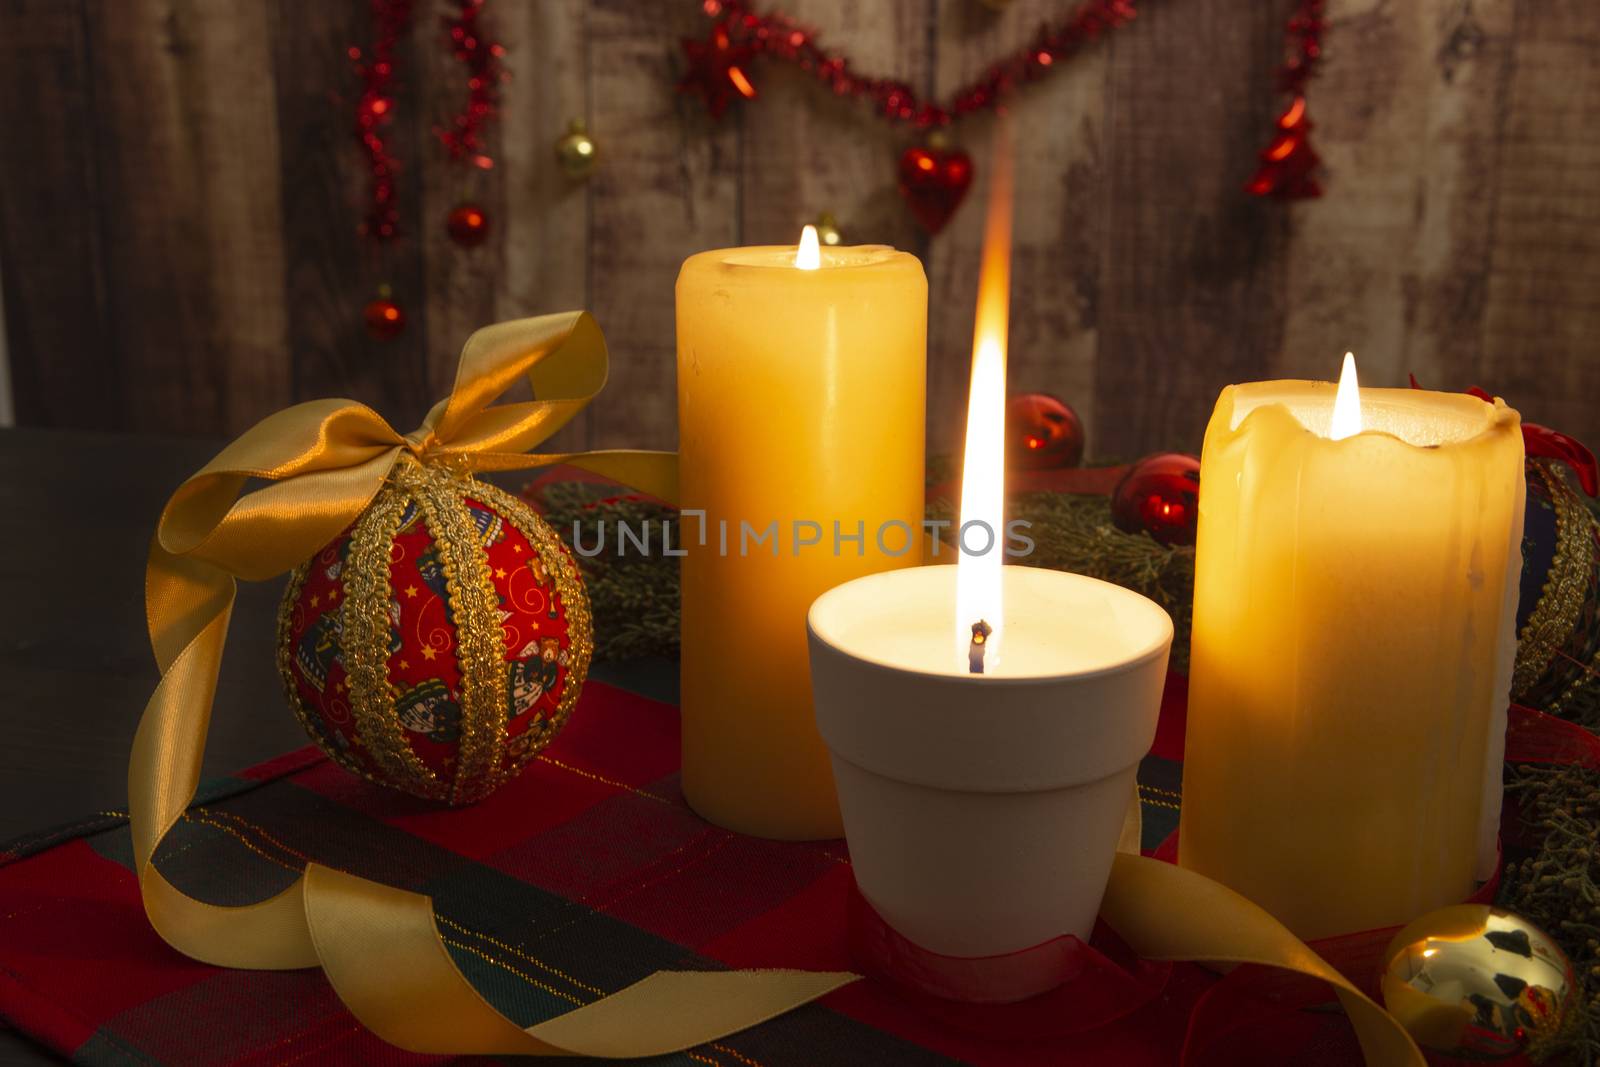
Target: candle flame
(1346,403)
(983,473)
(808,256)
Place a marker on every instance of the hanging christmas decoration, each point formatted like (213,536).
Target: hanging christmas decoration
(469,42)
(1042,432)
(719,64)
(1477,982)
(383,318)
(374,113)
(719,70)
(934,179)
(1160,495)
(576,151)
(468,225)
(828,229)
(716,66)
(461,137)
(438,643)
(1288,164)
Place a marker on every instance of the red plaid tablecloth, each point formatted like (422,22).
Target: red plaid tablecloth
(583,876)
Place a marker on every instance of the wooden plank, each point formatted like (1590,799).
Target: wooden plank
(544,251)
(1059,221)
(187,159)
(1393,261)
(1191,285)
(330,272)
(668,187)
(58,331)
(1543,292)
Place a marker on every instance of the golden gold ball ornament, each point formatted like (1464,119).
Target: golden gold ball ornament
(576,151)
(828,229)
(439,642)
(1478,982)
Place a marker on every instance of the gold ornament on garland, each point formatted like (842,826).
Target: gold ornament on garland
(577,152)
(828,229)
(1481,983)
(441,641)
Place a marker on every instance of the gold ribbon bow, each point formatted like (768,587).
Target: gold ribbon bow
(379,947)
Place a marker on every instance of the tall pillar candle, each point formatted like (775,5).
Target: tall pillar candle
(801,404)
(1354,618)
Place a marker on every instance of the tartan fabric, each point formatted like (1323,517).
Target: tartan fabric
(580,877)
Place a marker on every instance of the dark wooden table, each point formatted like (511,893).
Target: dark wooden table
(77,667)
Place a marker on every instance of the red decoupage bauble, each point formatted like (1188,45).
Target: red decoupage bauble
(934,180)
(1160,495)
(441,641)
(1042,433)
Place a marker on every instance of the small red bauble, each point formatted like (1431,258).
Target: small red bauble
(1159,495)
(934,180)
(1042,432)
(384,319)
(468,225)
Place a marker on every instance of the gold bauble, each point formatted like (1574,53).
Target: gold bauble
(828,229)
(576,151)
(1476,981)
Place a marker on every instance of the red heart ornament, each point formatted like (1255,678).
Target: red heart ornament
(934,181)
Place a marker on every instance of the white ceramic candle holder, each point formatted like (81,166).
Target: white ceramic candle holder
(983,811)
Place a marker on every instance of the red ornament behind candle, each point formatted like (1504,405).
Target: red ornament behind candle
(1160,495)
(1042,433)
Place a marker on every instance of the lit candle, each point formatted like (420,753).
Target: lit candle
(983,810)
(1355,599)
(801,383)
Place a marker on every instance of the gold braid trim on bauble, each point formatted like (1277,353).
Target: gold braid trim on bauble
(480,654)
(1561,599)
(286,613)
(364,639)
(574,600)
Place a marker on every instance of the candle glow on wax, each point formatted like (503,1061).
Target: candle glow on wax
(1346,403)
(983,473)
(808,256)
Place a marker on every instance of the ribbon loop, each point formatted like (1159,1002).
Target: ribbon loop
(561,357)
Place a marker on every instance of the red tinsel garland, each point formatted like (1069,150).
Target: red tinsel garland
(1288,163)
(718,64)
(375,110)
(718,72)
(461,137)
(481,56)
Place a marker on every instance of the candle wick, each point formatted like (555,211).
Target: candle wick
(980,641)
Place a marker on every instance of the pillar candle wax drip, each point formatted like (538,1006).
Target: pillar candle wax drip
(1355,594)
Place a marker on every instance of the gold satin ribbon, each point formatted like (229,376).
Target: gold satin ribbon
(1165,912)
(379,947)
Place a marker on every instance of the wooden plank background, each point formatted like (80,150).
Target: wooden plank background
(180,187)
